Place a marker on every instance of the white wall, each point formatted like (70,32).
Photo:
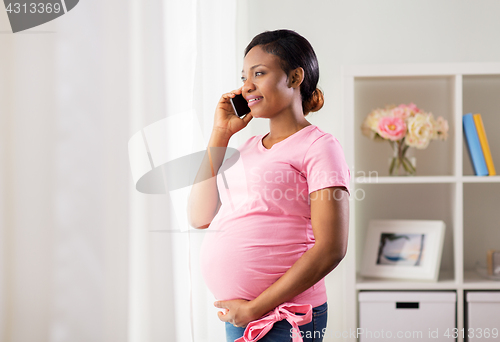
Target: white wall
(26,222)
(377,32)
(4,58)
(373,32)
(62,161)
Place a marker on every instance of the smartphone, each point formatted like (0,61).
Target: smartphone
(240,106)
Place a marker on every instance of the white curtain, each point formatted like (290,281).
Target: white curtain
(84,256)
(198,65)
(64,224)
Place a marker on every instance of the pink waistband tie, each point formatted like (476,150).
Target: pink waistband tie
(255,330)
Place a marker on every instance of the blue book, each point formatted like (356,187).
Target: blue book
(475,149)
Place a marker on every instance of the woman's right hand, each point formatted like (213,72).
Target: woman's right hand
(226,121)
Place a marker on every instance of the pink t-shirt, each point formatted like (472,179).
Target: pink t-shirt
(264,223)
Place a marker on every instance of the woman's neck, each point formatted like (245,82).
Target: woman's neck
(283,126)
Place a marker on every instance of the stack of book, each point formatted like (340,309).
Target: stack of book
(479,150)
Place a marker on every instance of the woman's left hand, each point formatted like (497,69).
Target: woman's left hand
(239,312)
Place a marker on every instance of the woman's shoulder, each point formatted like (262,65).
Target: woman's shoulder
(317,136)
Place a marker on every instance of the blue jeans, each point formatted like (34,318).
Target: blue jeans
(282,330)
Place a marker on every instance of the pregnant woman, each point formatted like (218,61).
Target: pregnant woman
(278,211)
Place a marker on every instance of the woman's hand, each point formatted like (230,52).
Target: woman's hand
(226,121)
(239,312)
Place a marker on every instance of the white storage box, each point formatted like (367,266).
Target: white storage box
(483,316)
(406,316)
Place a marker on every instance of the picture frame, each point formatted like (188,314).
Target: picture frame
(403,249)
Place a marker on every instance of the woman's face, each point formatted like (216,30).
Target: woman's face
(264,80)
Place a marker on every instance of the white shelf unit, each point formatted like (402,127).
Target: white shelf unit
(444,187)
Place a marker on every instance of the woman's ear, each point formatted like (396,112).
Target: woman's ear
(296,77)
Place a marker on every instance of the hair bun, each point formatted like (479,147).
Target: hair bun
(314,103)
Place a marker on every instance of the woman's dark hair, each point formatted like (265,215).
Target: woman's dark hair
(294,51)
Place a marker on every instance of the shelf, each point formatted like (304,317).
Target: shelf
(444,188)
(481,179)
(445,282)
(433,94)
(473,281)
(426,179)
(414,201)
(481,218)
(480,95)
(416,70)
(406,180)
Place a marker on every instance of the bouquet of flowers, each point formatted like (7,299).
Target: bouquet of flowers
(404,126)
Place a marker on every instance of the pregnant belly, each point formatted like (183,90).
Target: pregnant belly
(243,256)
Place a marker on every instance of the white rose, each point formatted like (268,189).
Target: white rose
(369,127)
(441,129)
(420,131)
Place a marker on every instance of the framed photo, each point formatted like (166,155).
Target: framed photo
(405,249)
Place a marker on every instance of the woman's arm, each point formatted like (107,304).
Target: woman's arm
(204,202)
(204,197)
(330,224)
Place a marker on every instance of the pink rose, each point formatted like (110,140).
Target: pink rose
(413,107)
(404,111)
(392,128)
